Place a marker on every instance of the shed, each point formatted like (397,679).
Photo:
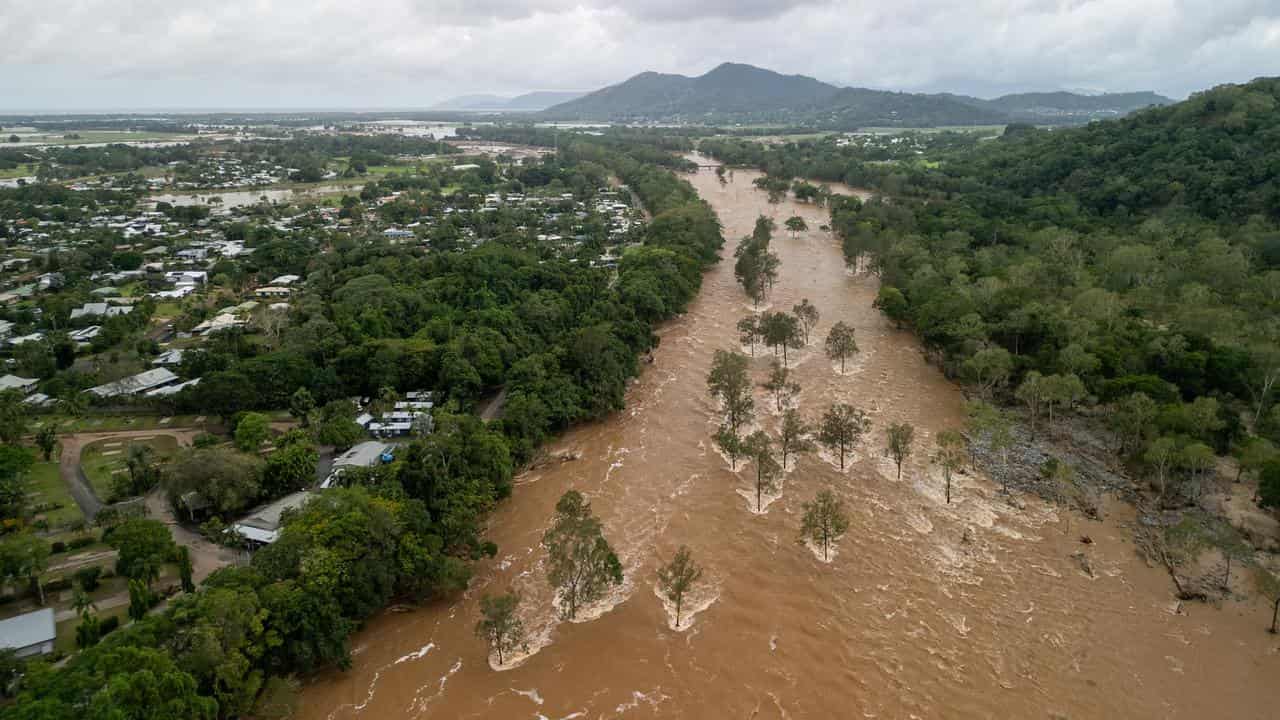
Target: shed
(29,635)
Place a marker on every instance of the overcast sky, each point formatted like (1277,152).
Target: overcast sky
(245,54)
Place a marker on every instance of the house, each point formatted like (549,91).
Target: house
(84,335)
(396,234)
(6,329)
(99,309)
(285,280)
(135,384)
(272,291)
(167,390)
(168,358)
(262,526)
(187,277)
(33,337)
(225,321)
(365,454)
(21,384)
(29,635)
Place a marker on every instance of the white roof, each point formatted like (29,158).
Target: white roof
(263,524)
(135,384)
(26,630)
(13,382)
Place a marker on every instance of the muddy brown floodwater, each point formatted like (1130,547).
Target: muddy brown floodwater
(927,610)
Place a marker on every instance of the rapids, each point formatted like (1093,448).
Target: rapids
(972,610)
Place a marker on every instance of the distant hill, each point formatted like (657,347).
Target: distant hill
(528,102)
(1051,106)
(737,93)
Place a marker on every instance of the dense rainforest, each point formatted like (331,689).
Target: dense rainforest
(561,338)
(1140,257)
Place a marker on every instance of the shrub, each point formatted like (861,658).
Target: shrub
(109,624)
(89,577)
(58,585)
(82,541)
(206,440)
(58,547)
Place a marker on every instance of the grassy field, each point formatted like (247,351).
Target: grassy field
(101,136)
(66,640)
(47,487)
(23,170)
(112,423)
(103,461)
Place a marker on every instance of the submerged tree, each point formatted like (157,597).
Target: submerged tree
(949,455)
(499,625)
(781,331)
(729,383)
(808,316)
(796,224)
(781,385)
(824,521)
(749,332)
(841,427)
(580,563)
(841,344)
(995,427)
(677,577)
(730,443)
(794,437)
(898,443)
(759,448)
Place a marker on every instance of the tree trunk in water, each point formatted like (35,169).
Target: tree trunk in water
(1275,611)
(948,474)
(678,602)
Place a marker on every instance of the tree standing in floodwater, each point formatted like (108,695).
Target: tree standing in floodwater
(841,427)
(808,316)
(841,344)
(499,625)
(677,577)
(949,455)
(749,332)
(900,437)
(794,437)
(824,521)
(729,383)
(780,384)
(759,447)
(580,562)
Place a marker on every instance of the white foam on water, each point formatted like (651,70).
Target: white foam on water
(415,655)
(695,601)
(766,499)
(832,551)
(531,694)
(653,699)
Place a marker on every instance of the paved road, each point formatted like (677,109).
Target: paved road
(73,475)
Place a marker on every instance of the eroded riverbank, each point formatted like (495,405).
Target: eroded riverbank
(973,609)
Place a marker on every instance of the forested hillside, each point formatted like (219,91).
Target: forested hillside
(1140,257)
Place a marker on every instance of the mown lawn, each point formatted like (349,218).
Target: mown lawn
(47,487)
(103,461)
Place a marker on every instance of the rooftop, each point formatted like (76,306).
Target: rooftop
(26,630)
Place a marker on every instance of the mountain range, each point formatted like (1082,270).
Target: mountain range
(528,102)
(738,93)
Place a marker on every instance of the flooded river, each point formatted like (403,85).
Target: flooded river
(927,610)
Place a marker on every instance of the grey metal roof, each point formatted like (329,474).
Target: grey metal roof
(26,630)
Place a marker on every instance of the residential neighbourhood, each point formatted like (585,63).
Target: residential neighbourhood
(196,353)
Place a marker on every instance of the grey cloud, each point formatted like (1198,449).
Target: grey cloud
(411,53)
